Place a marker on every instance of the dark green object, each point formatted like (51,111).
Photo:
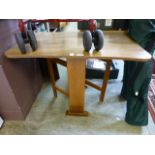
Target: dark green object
(137,75)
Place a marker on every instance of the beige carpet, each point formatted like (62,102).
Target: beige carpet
(47,115)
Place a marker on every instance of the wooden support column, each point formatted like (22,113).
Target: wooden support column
(76,79)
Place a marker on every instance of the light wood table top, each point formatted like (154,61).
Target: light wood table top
(117,45)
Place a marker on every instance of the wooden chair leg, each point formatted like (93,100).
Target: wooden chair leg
(105,80)
(52,75)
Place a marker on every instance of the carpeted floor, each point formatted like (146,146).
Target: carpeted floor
(47,115)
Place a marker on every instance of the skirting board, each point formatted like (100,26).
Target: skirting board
(151,97)
(1,121)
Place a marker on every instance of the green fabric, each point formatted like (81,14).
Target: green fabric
(137,75)
(141,29)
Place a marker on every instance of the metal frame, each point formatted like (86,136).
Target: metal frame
(21,23)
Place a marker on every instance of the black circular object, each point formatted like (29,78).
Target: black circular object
(20,42)
(32,40)
(87,40)
(24,35)
(98,39)
(31,26)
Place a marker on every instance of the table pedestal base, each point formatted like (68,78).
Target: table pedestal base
(83,113)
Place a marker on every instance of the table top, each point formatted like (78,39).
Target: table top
(117,45)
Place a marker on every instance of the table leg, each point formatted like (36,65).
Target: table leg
(76,78)
(105,80)
(52,75)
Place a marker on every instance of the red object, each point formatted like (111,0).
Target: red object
(92,25)
(92,22)
(153,72)
(21,25)
(151,98)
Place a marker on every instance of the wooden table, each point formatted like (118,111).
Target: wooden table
(117,45)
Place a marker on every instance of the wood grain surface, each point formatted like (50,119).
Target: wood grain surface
(117,45)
